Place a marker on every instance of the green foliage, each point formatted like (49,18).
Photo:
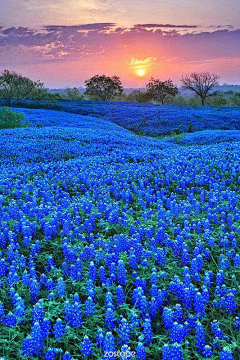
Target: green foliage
(159,90)
(104,88)
(10,119)
(177,134)
(235,100)
(72,94)
(176,100)
(139,96)
(194,101)
(39,92)
(177,137)
(14,86)
(120,97)
(216,100)
(177,131)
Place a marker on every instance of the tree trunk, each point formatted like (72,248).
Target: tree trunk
(203,101)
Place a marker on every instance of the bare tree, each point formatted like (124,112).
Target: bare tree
(200,83)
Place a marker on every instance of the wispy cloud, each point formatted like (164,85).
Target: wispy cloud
(85,27)
(108,48)
(142,64)
(169,26)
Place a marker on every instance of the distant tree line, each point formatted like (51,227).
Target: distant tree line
(18,88)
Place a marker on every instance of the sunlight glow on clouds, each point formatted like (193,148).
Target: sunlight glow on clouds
(142,64)
(60,40)
(105,48)
(140,67)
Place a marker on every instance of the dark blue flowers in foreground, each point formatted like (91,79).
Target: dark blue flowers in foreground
(114,244)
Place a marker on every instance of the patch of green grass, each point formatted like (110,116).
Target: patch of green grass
(11,119)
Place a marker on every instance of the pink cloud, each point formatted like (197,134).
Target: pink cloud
(68,55)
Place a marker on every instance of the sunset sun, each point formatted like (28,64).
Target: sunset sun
(140,72)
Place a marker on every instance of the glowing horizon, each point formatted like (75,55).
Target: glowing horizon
(144,39)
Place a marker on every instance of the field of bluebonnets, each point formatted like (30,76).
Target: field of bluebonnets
(151,119)
(111,241)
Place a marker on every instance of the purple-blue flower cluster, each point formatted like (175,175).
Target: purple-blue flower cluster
(110,241)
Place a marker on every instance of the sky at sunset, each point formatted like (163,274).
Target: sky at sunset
(64,43)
